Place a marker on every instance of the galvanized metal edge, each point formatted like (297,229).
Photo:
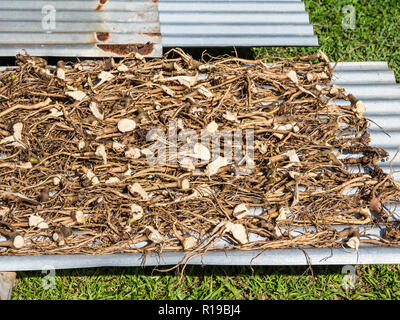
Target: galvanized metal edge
(276,257)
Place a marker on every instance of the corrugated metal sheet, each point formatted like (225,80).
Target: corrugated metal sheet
(93,28)
(221,23)
(374,84)
(90,28)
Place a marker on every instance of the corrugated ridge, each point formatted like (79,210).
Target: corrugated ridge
(375,85)
(80,28)
(235,23)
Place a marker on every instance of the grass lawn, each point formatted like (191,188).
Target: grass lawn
(378,31)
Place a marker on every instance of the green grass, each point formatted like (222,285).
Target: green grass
(203,283)
(378,31)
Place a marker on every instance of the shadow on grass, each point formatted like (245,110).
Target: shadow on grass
(194,271)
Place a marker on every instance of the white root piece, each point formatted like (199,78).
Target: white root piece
(353,243)
(278,231)
(43,225)
(122,68)
(187,81)
(214,166)
(154,235)
(238,231)
(133,153)
(76,95)
(136,213)
(286,127)
(24,165)
(292,155)
(37,221)
(15,139)
(55,113)
(204,190)
(168,91)
(92,177)
(96,111)
(205,92)
(201,152)
(60,235)
(137,188)
(18,131)
(101,152)
(367,214)
(56,181)
(78,217)
(292,75)
(189,243)
(282,214)
(240,211)
(4,211)
(212,127)
(104,76)
(206,67)
(128,172)
(294,175)
(16,241)
(187,164)
(60,73)
(113,180)
(201,191)
(81,144)
(230,116)
(118,147)
(126,125)
(360,109)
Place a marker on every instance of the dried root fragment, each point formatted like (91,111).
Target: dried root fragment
(153,235)
(76,95)
(101,152)
(15,241)
(189,242)
(4,211)
(238,231)
(113,180)
(137,188)
(241,211)
(212,127)
(136,213)
(353,243)
(78,216)
(215,165)
(94,108)
(62,234)
(37,221)
(126,125)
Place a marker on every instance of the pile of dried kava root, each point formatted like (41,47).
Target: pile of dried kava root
(145,155)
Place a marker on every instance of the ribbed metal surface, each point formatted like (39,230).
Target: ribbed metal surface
(89,28)
(235,23)
(374,84)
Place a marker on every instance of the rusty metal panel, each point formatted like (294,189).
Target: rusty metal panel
(89,28)
(221,23)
